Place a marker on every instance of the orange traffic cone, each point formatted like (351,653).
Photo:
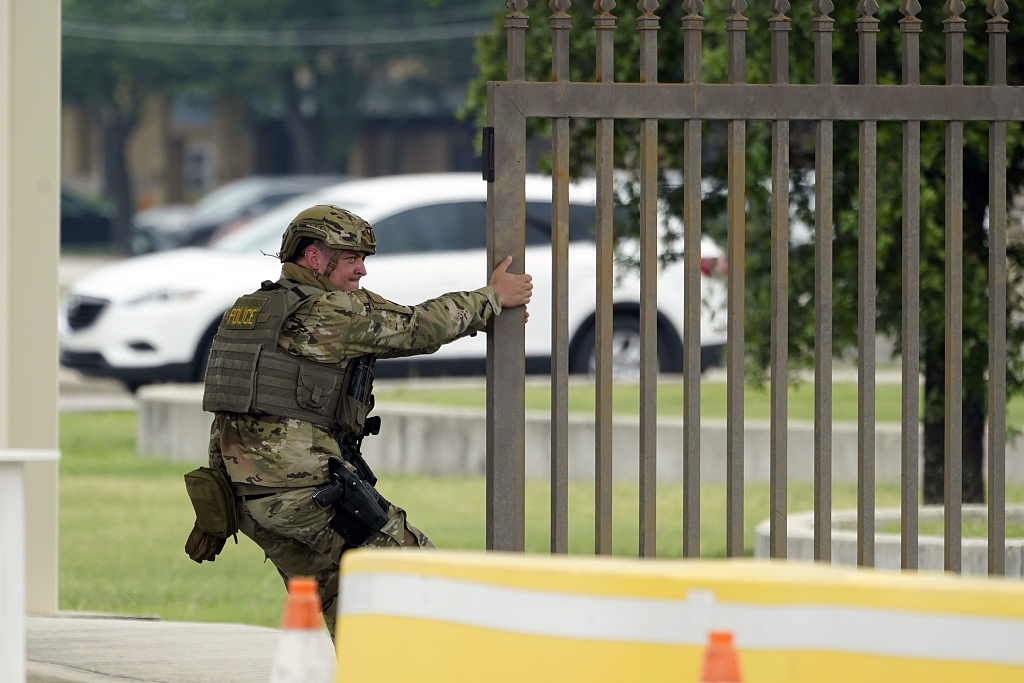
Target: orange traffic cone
(721,665)
(304,652)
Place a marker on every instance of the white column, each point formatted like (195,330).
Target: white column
(12,559)
(29,254)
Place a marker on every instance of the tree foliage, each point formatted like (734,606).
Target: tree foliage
(491,59)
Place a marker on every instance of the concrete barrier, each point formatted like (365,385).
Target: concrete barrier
(974,551)
(507,618)
(445,441)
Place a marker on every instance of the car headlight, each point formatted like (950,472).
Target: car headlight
(165,296)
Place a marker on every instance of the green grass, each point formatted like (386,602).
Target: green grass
(123,524)
(626,400)
(124,520)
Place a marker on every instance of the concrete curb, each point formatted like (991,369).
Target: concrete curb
(974,551)
(444,441)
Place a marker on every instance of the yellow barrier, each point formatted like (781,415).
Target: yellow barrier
(471,617)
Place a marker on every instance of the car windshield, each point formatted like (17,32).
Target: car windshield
(228,198)
(264,233)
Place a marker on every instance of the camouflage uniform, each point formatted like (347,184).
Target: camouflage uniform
(265,450)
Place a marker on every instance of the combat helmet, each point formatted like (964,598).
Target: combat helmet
(337,227)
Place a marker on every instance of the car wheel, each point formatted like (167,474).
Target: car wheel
(132,385)
(625,349)
(140,243)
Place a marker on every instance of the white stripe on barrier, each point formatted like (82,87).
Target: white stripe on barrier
(685,622)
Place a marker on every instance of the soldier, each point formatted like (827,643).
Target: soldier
(289,378)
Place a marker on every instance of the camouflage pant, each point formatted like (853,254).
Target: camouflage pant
(294,533)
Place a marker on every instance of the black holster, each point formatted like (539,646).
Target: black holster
(359,511)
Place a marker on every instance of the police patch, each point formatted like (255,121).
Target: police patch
(245,313)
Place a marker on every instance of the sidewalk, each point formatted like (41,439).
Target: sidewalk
(83,648)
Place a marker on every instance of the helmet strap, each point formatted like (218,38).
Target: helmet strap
(333,263)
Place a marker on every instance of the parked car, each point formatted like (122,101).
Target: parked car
(153,317)
(81,222)
(231,205)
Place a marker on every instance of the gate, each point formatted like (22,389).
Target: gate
(511,102)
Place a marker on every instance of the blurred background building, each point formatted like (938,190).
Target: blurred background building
(164,102)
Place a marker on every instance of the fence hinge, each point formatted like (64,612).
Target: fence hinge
(488,152)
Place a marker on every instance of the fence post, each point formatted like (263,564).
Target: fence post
(779,26)
(736,28)
(867,30)
(910,27)
(604,26)
(648,24)
(954,26)
(823,26)
(560,24)
(506,361)
(693,25)
(997,28)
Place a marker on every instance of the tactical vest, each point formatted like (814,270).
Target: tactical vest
(249,373)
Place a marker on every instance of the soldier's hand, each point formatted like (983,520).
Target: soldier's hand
(513,290)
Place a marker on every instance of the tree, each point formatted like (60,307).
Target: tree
(113,80)
(317,83)
(491,56)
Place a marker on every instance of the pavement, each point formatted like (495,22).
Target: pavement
(89,648)
(78,393)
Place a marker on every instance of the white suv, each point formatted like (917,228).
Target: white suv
(153,317)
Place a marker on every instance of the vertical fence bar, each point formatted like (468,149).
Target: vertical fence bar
(692,25)
(779,26)
(823,26)
(910,28)
(954,26)
(648,24)
(867,28)
(997,28)
(736,29)
(515,40)
(506,361)
(604,25)
(560,23)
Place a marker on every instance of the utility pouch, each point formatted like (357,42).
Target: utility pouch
(213,501)
(357,399)
(359,511)
(314,388)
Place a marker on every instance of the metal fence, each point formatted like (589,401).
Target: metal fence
(511,102)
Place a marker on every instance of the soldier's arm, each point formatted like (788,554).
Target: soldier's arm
(452,316)
(420,329)
(344,325)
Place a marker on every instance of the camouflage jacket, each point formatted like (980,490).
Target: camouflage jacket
(334,328)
